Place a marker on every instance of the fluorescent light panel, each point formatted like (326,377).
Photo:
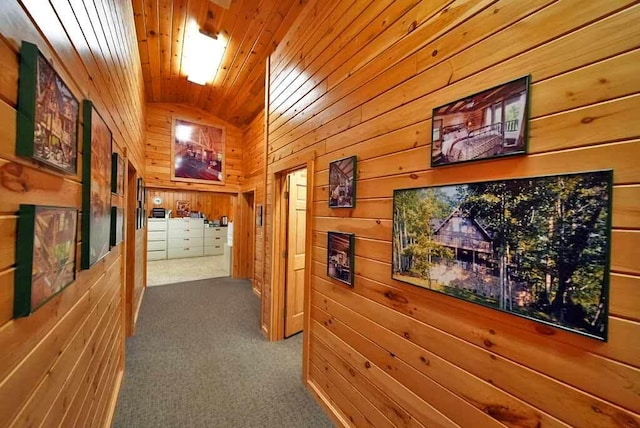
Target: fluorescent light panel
(205,56)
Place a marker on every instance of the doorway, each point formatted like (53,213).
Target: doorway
(246,234)
(296,226)
(130,249)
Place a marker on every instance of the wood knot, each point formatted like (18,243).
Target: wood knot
(406,335)
(378,221)
(587,120)
(493,357)
(395,297)
(352,372)
(367,364)
(543,329)
(414,176)
(488,343)
(13,178)
(491,331)
(152,33)
(413,26)
(603,80)
(496,10)
(435,52)
(424,360)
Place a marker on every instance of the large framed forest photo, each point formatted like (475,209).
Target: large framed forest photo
(48,112)
(197,152)
(96,187)
(488,124)
(534,247)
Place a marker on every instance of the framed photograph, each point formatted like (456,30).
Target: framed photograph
(117,225)
(197,152)
(96,189)
(340,256)
(138,218)
(342,183)
(488,124)
(183,208)
(259,215)
(46,255)
(139,191)
(534,247)
(48,113)
(117,174)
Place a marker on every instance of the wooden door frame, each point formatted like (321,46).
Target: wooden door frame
(130,250)
(244,220)
(279,263)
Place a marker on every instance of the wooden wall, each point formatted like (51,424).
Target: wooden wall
(63,364)
(361,78)
(158,148)
(213,205)
(253,170)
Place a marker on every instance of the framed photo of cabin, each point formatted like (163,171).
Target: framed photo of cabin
(48,113)
(117,174)
(489,124)
(536,247)
(342,183)
(340,256)
(197,152)
(183,208)
(46,255)
(96,190)
(117,225)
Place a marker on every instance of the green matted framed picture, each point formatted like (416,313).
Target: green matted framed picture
(117,225)
(47,114)
(117,174)
(96,187)
(45,254)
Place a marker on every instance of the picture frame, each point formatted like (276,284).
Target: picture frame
(138,218)
(518,245)
(45,255)
(342,182)
(96,188)
(47,114)
(117,225)
(117,174)
(341,257)
(139,191)
(197,152)
(488,124)
(183,208)
(259,216)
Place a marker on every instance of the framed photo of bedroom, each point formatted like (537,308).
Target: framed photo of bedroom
(488,124)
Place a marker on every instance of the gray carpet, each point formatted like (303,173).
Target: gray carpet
(199,360)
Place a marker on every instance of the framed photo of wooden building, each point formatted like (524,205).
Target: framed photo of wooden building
(534,247)
(117,174)
(96,189)
(197,152)
(46,255)
(48,113)
(183,208)
(488,124)
(342,183)
(340,257)
(117,225)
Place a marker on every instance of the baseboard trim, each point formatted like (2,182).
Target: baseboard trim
(326,404)
(138,306)
(114,399)
(256,292)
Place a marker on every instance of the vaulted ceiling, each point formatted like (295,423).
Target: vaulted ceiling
(253,28)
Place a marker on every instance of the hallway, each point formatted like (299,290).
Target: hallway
(198,360)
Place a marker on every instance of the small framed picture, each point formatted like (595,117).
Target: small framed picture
(183,208)
(491,123)
(342,183)
(46,255)
(48,113)
(117,225)
(117,174)
(340,257)
(259,215)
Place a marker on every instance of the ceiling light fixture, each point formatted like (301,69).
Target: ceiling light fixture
(204,57)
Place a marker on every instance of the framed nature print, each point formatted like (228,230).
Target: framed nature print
(488,124)
(342,183)
(46,255)
(197,152)
(117,174)
(96,189)
(117,225)
(48,112)
(534,247)
(340,256)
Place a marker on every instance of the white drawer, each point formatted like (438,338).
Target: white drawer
(177,253)
(156,245)
(157,224)
(185,242)
(186,223)
(213,250)
(156,235)
(157,255)
(214,240)
(186,233)
(215,231)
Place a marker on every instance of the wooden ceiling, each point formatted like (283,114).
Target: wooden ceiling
(253,28)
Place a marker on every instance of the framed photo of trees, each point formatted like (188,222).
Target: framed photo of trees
(534,247)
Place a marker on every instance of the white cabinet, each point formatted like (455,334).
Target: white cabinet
(156,239)
(185,238)
(214,240)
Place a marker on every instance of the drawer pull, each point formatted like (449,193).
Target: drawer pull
(186,239)
(186,249)
(186,230)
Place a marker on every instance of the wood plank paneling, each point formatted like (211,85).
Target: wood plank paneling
(212,205)
(51,359)
(385,343)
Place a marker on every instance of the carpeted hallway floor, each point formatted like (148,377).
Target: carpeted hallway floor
(199,360)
